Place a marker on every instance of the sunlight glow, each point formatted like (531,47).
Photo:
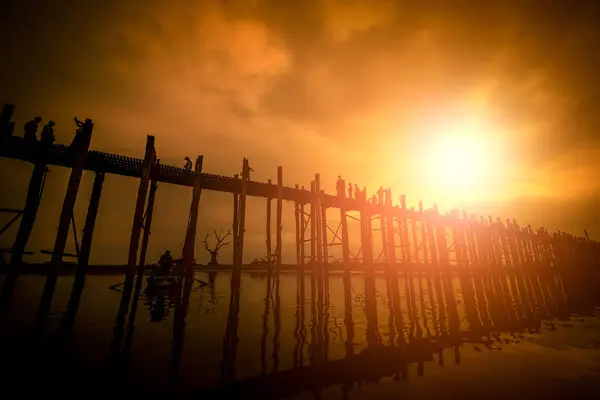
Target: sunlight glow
(462,156)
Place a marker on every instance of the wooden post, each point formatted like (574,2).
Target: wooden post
(190,236)
(413,224)
(79,149)
(324,234)
(404,229)
(389,212)
(302,232)
(298,235)
(236,212)
(90,222)
(382,221)
(317,218)
(423,233)
(365,236)
(136,229)
(312,223)
(345,238)
(269,251)
(32,203)
(149,212)
(80,146)
(5,117)
(279,214)
(442,243)
(242,216)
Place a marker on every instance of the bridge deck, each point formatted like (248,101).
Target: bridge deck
(60,155)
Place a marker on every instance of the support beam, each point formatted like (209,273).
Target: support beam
(297,221)
(5,117)
(313,228)
(383,224)
(324,234)
(345,237)
(242,216)
(84,257)
(279,214)
(236,212)
(268,241)
(136,229)
(317,217)
(148,219)
(302,234)
(190,236)
(390,226)
(423,233)
(90,222)
(79,147)
(32,203)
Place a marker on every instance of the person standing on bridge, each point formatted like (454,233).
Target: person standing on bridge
(339,186)
(31,129)
(47,136)
(188,164)
(350,191)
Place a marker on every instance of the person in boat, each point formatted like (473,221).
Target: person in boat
(165,263)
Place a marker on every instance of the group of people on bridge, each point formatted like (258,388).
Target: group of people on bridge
(47,136)
(359,194)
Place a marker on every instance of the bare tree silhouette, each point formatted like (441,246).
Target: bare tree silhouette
(220,243)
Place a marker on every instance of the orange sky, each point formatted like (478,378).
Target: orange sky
(371,90)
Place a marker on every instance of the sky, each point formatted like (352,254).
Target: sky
(487,106)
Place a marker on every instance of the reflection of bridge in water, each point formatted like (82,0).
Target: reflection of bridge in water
(424,318)
(492,304)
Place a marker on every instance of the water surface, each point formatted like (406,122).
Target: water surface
(359,336)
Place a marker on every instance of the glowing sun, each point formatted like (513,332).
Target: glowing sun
(460,158)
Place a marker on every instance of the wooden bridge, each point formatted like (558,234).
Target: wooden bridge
(408,236)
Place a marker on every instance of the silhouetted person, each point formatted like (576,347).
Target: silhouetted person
(31,128)
(188,164)
(47,136)
(350,191)
(165,262)
(339,186)
(356,192)
(10,129)
(373,199)
(364,194)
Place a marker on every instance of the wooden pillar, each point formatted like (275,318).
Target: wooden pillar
(236,212)
(312,223)
(431,238)
(5,117)
(324,234)
(269,251)
(472,250)
(79,147)
(279,214)
(365,236)
(136,229)
(317,218)
(149,213)
(381,202)
(345,237)
(423,232)
(190,236)
(404,229)
(298,235)
(413,225)
(90,222)
(32,203)
(389,213)
(302,234)
(442,243)
(242,216)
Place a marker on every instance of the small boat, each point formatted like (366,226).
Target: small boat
(161,283)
